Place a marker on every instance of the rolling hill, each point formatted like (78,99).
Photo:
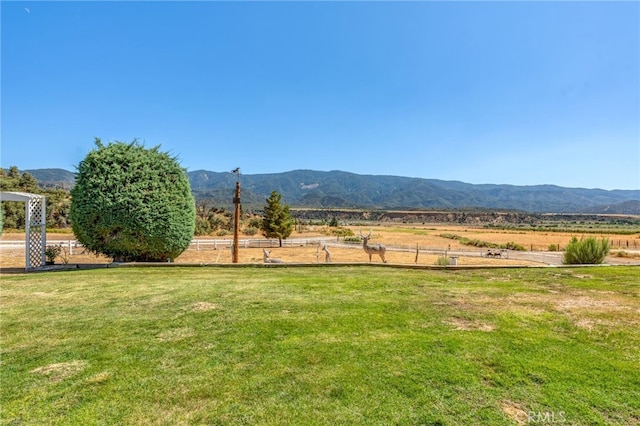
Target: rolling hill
(308,188)
(339,189)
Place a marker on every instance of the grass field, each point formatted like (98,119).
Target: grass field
(348,345)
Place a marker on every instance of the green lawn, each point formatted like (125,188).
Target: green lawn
(349,345)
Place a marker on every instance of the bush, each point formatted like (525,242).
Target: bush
(250,231)
(342,232)
(483,244)
(350,239)
(512,246)
(132,203)
(52,252)
(586,251)
(255,222)
(203,227)
(443,261)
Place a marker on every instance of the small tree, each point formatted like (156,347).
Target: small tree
(586,251)
(132,203)
(342,232)
(277,221)
(13,180)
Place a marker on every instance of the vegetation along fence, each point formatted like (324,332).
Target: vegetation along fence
(73,246)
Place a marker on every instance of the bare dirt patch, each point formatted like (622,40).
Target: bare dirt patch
(514,411)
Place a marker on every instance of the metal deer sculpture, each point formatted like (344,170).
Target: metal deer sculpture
(268,259)
(378,249)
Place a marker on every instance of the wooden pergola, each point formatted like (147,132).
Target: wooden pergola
(35,223)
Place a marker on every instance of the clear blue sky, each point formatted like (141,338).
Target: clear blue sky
(518,93)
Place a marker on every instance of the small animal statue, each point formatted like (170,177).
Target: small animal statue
(378,249)
(491,253)
(268,259)
(327,256)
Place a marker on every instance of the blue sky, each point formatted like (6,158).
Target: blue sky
(517,93)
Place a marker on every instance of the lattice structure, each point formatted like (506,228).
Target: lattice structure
(35,226)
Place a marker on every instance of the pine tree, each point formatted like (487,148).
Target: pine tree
(277,221)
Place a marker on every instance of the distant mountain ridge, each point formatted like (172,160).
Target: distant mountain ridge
(626,207)
(54,178)
(308,188)
(339,189)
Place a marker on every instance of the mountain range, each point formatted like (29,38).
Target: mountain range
(339,189)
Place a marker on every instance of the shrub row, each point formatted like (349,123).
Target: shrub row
(483,244)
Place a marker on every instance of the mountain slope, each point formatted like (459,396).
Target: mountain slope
(626,207)
(309,188)
(53,178)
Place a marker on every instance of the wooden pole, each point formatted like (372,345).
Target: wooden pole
(236,222)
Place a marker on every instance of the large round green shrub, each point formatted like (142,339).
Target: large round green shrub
(132,203)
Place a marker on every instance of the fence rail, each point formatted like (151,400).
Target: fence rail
(73,246)
(542,256)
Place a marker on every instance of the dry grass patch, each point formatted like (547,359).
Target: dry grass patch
(176,335)
(62,370)
(466,324)
(203,307)
(99,378)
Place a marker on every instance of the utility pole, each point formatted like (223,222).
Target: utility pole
(236,216)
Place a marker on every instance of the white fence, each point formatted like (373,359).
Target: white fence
(74,247)
(216,244)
